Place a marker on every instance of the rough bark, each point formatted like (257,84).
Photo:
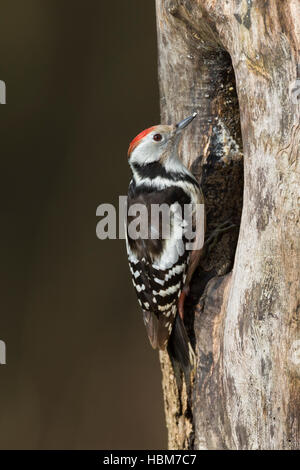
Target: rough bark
(236,63)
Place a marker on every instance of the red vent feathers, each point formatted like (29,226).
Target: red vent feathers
(137,139)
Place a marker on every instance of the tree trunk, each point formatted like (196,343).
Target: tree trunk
(236,63)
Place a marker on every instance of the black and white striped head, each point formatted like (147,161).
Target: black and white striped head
(157,143)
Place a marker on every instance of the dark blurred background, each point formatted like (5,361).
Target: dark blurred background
(81,82)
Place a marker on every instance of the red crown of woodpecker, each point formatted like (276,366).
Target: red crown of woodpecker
(134,143)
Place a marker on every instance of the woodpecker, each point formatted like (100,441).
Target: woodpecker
(162,268)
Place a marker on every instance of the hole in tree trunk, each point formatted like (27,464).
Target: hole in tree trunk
(220,171)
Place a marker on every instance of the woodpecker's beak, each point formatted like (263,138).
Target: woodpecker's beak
(185,122)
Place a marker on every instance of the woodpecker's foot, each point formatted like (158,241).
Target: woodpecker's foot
(213,237)
(181,300)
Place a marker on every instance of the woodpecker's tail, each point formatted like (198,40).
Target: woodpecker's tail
(181,352)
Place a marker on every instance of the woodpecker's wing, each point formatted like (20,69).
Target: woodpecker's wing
(157,327)
(158,266)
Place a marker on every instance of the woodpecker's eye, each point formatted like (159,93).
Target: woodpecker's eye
(157,137)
